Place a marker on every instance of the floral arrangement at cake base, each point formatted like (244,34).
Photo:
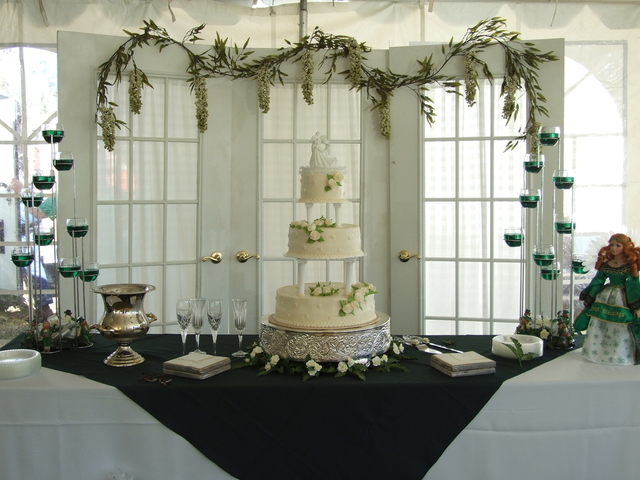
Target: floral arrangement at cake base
(556,333)
(309,369)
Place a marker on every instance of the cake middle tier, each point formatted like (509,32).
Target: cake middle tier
(324,242)
(317,312)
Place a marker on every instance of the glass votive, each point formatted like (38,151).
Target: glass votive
(43,180)
(563,179)
(564,225)
(578,263)
(69,267)
(53,132)
(550,272)
(529,198)
(22,256)
(63,161)
(549,136)
(513,237)
(533,163)
(30,198)
(44,236)
(90,272)
(544,255)
(77,227)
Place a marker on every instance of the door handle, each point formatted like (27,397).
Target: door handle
(243,256)
(215,257)
(406,255)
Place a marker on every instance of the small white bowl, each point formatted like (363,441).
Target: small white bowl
(530,344)
(19,363)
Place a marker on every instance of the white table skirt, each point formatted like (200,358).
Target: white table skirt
(568,417)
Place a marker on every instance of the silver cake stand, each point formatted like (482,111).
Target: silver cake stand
(326,346)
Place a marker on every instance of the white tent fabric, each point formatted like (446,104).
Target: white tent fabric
(381,24)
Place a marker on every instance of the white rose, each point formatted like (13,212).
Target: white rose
(339,177)
(326,290)
(316,291)
(342,367)
(372,289)
(274,360)
(544,334)
(396,349)
(350,362)
(376,361)
(311,227)
(314,235)
(332,183)
(357,285)
(347,308)
(310,364)
(354,305)
(359,296)
(319,222)
(267,367)
(385,358)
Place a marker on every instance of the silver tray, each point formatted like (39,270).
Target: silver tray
(326,346)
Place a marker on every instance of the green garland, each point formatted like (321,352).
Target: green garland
(522,61)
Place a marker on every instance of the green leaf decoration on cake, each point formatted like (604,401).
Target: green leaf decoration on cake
(359,292)
(516,348)
(314,229)
(333,181)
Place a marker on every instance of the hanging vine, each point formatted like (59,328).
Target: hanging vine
(522,62)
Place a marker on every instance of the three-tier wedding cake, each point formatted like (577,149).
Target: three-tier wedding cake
(326,319)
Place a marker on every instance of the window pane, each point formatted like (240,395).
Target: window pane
(182,232)
(439,229)
(440,289)
(474,240)
(148,171)
(182,171)
(278,175)
(439,170)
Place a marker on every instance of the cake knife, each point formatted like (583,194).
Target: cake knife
(444,348)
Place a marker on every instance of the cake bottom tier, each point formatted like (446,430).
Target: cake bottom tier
(326,346)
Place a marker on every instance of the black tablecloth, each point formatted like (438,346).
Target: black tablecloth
(391,426)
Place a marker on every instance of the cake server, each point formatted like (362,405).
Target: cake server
(441,347)
(426,349)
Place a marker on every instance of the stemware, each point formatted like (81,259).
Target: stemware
(214,314)
(197,312)
(240,321)
(183,311)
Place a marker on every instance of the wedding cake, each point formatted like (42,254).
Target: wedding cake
(326,319)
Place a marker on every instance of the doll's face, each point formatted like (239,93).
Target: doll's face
(616,248)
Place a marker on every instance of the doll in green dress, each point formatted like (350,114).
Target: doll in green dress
(612,305)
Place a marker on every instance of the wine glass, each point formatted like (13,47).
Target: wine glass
(214,314)
(197,310)
(183,311)
(240,321)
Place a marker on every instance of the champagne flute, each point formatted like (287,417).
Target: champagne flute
(240,321)
(197,310)
(183,311)
(214,314)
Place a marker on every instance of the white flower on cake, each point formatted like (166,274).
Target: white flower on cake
(313,368)
(322,290)
(359,292)
(313,228)
(334,180)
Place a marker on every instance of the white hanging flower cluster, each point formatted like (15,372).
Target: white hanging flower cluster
(385,117)
(107,122)
(307,76)
(355,62)
(135,91)
(470,78)
(202,104)
(264,89)
(510,88)
(534,142)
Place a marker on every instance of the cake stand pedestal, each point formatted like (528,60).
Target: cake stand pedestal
(326,346)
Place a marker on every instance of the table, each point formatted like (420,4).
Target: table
(58,425)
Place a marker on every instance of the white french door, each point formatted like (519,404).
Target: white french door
(453,192)
(167,196)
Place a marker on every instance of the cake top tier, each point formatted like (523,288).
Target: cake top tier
(322,181)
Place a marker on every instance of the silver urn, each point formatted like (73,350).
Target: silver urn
(124,320)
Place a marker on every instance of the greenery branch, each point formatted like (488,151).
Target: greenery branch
(522,60)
